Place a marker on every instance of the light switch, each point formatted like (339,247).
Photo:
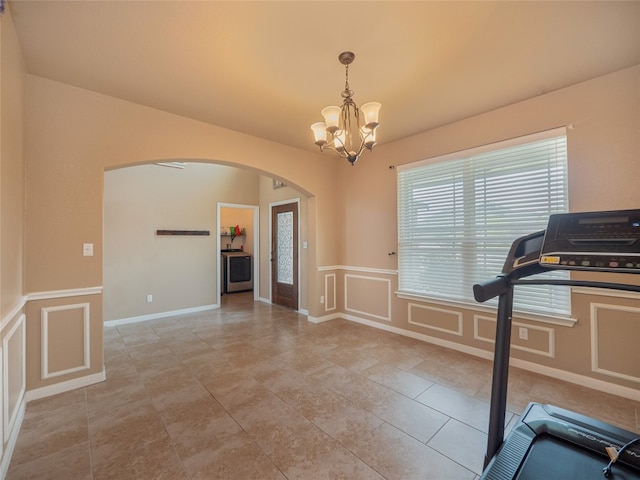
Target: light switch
(304,245)
(87,249)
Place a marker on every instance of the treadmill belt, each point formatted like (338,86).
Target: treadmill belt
(550,458)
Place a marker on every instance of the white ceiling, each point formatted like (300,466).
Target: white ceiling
(266,68)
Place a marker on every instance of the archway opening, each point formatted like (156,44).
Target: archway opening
(146,275)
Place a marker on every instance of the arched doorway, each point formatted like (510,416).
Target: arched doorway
(148,276)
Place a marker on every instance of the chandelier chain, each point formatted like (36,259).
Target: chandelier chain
(348,93)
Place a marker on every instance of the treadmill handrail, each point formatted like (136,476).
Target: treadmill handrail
(579,283)
(491,288)
(485,291)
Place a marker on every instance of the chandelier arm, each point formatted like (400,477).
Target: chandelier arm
(370,133)
(350,111)
(342,152)
(336,138)
(362,146)
(363,139)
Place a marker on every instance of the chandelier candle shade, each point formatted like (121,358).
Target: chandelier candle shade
(347,129)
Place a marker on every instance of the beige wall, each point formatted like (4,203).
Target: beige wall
(604,173)
(603,157)
(12,233)
(12,170)
(77,134)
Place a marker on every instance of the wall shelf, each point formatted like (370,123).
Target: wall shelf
(183,232)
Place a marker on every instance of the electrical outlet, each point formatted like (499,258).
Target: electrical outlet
(149,298)
(321,298)
(523,333)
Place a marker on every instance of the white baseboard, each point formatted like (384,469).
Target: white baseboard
(62,387)
(326,318)
(11,442)
(570,377)
(593,383)
(301,311)
(155,316)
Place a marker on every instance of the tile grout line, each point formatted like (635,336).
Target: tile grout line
(173,446)
(188,367)
(86,404)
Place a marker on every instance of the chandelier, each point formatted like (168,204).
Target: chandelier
(347,129)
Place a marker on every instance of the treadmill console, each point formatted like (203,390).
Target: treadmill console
(601,241)
(525,252)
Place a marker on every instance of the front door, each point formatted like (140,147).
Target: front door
(284,255)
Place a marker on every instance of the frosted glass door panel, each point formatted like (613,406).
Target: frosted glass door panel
(284,259)
(285,248)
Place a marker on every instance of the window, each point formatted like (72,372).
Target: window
(459,214)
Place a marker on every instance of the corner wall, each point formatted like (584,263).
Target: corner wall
(12,237)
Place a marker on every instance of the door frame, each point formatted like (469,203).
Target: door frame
(297,273)
(256,247)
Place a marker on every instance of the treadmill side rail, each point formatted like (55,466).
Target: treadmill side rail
(512,453)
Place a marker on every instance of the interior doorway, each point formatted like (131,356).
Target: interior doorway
(238,249)
(284,254)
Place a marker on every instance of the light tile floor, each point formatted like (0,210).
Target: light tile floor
(256,391)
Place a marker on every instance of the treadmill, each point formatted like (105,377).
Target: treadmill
(550,443)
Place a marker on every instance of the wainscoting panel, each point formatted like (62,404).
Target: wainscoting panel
(434,318)
(65,327)
(368,295)
(13,374)
(330,292)
(13,385)
(3,429)
(615,330)
(541,340)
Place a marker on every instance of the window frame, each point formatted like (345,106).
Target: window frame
(563,314)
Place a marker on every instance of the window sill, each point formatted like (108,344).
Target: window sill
(533,317)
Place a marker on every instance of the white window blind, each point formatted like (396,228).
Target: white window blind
(459,214)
